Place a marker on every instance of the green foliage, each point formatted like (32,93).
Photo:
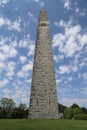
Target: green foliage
(84,110)
(61,108)
(80,116)
(20,112)
(77,111)
(1,113)
(68,113)
(74,106)
(73,112)
(8,109)
(7,106)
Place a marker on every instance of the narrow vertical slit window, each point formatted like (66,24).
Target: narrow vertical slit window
(37,102)
(49,102)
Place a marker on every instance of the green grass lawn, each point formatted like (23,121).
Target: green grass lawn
(25,124)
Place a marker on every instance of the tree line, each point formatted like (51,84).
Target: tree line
(9,109)
(73,112)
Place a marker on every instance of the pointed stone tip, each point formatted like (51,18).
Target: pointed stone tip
(43,9)
(43,15)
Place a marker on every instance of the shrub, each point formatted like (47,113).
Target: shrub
(68,113)
(80,116)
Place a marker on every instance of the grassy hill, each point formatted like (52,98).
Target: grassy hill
(25,124)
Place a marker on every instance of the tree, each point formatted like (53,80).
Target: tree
(7,106)
(22,106)
(68,113)
(84,110)
(74,106)
(20,112)
(1,112)
(77,111)
(61,108)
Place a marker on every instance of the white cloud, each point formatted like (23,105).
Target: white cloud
(36,0)
(68,68)
(4,2)
(9,51)
(31,49)
(82,64)
(3,40)
(84,89)
(25,100)
(73,30)
(11,66)
(3,82)
(85,76)
(28,66)
(5,48)
(61,23)
(14,43)
(55,58)
(10,69)
(74,68)
(24,71)
(10,74)
(22,74)
(2,57)
(80,12)
(70,78)
(41,3)
(23,59)
(2,21)
(67,4)
(11,25)
(69,101)
(6,92)
(21,90)
(70,48)
(64,69)
(83,40)
(25,41)
(2,65)
(72,41)
(32,17)
(15,26)
(28,81)
(77,10)
(58,81)
(17,94)
(13,52)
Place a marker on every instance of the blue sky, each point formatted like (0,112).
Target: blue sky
(68,26)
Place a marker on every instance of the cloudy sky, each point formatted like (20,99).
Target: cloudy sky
(18,27)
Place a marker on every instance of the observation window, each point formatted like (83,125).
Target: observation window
(43,24)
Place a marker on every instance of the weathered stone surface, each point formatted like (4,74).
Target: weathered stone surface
(43,99)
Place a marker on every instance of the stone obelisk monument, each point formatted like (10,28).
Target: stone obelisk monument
(43,98)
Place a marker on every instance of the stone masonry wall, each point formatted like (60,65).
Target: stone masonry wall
(43,99)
